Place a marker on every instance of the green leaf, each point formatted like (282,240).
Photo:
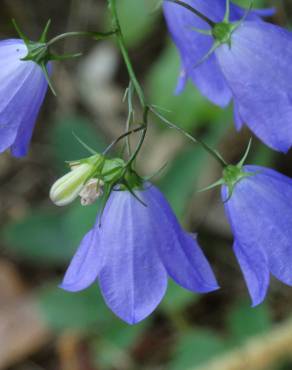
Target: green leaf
(245,321)
(196,347)
(38,238)
(81,311)
(47,237)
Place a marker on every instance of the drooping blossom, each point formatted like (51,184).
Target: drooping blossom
(251,66)
(260,214)
(131,251)
(193,46)
(258,70)
(22,90)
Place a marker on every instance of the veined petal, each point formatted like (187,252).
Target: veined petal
(22,90)
(85,265)
(179,252)
(238,121)
(258,70)
(260,213)
(274,194)
(253,265)
(39,87)
(193,46)
(132,279)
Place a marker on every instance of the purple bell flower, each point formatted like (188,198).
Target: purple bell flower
(260,214)
(193,46)
(258,70)
(22,90)
(132,253)
(252,66)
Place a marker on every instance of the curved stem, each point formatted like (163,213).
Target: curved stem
(95,35)
(142,138)
(193,10)
(121,137)
(211,151)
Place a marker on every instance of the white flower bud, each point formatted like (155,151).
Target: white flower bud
(67,188)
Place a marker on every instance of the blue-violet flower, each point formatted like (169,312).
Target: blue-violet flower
(131,251)
(260,214)
(22,90)
(251,65)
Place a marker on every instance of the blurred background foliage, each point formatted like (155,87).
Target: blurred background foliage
(43,327)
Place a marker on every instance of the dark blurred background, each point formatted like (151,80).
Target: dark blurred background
(44,328)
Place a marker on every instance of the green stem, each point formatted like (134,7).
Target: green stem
(142,138)
(95,35)
(193,10)
(122,46)
(133,78)
(211,151)
(125,134)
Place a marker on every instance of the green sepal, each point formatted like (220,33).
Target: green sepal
(85,146)
(202,31)
(232,175)
(65,56)
(107,189)
(156,173)
(38,52)
(212,186)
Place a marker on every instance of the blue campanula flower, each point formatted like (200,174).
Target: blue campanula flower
(133,251)
(260,214)
(258,69)
(251,64)
(193,46)
(22,90)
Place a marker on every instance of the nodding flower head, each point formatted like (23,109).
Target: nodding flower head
(260,214)
(237,59)
(23,86)
(131,252)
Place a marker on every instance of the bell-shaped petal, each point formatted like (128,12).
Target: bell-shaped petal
(179,252)
(257,67)
(260,214)
(132,279)
(193,46)
(136,243)
(85,265)
(255,270)
(22,90)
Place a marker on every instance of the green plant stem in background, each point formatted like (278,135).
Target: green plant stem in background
(133,78)
(137,87)
(193,10)
(205,146)
(122,46)
(124,135)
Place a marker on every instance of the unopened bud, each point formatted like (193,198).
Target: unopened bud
(67,188)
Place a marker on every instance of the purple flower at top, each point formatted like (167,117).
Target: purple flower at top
(22,90)
(258,70)
(193,46)
(133,252)
(260,215)
(252,65)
